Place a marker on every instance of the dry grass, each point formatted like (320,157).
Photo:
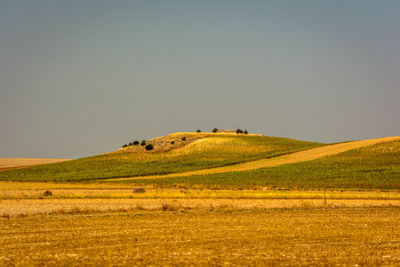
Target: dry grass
(163,143)
(18,190)
(126,193)
(14,207)
(305,236)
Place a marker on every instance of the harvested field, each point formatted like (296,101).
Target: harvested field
(14,163)
(298,236)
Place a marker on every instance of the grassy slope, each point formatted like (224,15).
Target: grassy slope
(376,166)
(218,150)
(300,156)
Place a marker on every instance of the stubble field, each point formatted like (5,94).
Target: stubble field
(288,236)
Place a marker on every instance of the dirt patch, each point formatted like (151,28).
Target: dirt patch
(17,163)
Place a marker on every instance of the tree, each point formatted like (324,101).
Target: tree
(198,131)
(215,130)
(239,131)
(135,143)
(143,143)
(246,132)
(172,142)
(149,147)
(183,138)
(131,144)
(125,145)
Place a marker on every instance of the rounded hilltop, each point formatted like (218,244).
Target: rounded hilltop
(179,139)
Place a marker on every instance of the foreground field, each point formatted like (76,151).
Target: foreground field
(107,224)
(200,153)
(296,236)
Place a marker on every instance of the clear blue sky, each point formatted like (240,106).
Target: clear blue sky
(81,77)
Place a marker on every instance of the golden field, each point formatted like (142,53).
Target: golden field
(106,224)
(285,236)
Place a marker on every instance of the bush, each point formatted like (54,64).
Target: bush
(198,131)
(183,138)
(135,143)
(215,130)
(239,131)
(149,147)
(138,190)
(125,145)
(172,142)
(143,143)
(246,132)
(130,144)
(47,193)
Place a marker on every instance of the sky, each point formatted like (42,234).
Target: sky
(83,77)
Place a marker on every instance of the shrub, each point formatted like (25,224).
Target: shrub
(135,143)
(215,130)
(183,138)
(172,142)
(239,131)
(149,147)
(143,143)
(198,131)
(130,144)
(47,193)
(138,190)
(125,145)
(245,132)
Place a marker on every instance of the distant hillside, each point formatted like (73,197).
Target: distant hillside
(372,167)
(190,151)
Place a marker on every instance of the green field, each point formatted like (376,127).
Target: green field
(376,166)
(208,152)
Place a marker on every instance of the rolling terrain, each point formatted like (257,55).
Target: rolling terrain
(376,166)
(223,198)
(229,160)
(306,155)
(198,151)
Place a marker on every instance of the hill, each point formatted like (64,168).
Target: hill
(306,155)
(229,160)
(372,167)
(199,151)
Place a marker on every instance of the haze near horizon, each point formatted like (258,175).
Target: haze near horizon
(79,78)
